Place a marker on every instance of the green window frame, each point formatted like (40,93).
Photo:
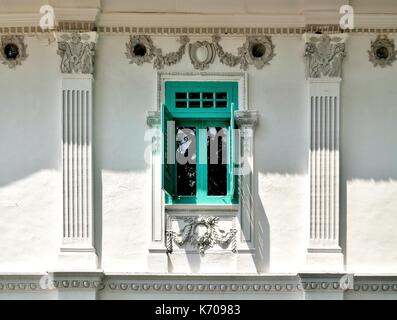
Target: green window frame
(199,105)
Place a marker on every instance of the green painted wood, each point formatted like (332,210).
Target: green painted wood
(201,118)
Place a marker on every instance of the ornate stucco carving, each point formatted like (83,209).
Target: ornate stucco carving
(209,51)
(13,50)
(324,56)
(141,49)
(257,51)
(246,117)
(382,51)
(77,51)
(211,235)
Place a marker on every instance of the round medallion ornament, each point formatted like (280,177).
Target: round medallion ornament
(140,49)
(382,51)
(202,54)
(260,50)
(13,50)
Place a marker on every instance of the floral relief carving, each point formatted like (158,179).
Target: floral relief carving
(141,49)
(257,51)
(209,235)
(77,53)
(382,51)
(13,50)
(324,56)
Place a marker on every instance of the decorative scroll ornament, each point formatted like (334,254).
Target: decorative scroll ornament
(77,52)
(202,233)
(140,50)
(382,51)
(257,51)
(202,54)
(324,56)
(13,50)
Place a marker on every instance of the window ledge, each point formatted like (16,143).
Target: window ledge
(202,207)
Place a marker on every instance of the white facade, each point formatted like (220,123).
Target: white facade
(97,226)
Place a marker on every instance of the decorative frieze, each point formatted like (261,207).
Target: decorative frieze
(257,51)
(203,233)
(140,50)
(13,50)
(324,55)
(77,51)
(382,52)
(98,281)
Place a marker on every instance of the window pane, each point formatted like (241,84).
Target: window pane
(186,161)
(221,95)
(217,161)
(208,104)
(194,95)
(208,95)
(181,104)
(180,95)
(194,104)
(221,104)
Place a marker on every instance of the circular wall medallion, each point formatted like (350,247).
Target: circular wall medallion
(258,50)
(140,50)
(11,51)
(202,54)
(382,51)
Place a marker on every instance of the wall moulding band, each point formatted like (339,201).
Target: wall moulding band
(100,281)
(125,30)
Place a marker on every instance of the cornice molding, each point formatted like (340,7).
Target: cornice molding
(321,282)
(182,23)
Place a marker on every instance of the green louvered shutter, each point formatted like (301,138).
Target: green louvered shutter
(168,151)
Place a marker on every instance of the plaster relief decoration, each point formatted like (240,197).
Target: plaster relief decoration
(77,51)
(382,51)
(13,50)
(257,51)
(324,56)
(202,233)
(202,54)
(140,50)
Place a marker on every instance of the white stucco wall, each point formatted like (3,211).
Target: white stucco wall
(30,162)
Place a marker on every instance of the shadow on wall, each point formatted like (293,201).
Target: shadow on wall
(261,235)
(368,156)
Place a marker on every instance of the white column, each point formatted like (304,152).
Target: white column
(246,121)
(157,258)
(77,249)
(324,70)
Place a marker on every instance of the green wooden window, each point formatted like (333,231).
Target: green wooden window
(197,142)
